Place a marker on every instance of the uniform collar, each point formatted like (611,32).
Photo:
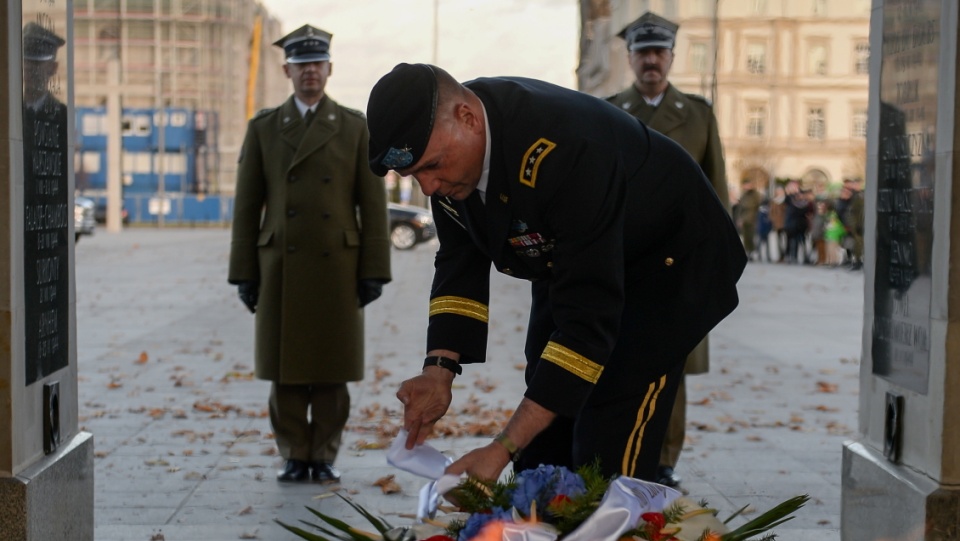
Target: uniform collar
(303,107)
(485,175)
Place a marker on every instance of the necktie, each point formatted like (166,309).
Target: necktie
(308,118)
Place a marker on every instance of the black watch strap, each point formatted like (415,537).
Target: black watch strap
(443,362)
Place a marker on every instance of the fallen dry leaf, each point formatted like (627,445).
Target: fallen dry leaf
(246,510)
(143,358)
(825,387)
(387,485)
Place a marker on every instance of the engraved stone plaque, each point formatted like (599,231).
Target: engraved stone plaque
(46,209)
(905,187)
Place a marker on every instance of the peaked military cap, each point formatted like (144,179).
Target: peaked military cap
(305,44)
(649,30)
(400,115)
(39,43)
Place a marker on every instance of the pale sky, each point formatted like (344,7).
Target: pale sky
(532,38)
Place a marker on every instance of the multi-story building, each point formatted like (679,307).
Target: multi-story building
(211,58)
(788,79)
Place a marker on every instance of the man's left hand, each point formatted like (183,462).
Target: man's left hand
(485,463)
(368,290)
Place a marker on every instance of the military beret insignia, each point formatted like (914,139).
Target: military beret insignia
(397,158)
(532,159)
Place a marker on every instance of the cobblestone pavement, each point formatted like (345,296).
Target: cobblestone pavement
(183,444)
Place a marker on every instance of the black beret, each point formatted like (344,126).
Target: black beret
(400,115)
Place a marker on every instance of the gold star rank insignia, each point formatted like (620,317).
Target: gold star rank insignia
(532,159)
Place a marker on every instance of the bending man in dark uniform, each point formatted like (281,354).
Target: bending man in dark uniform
(631,256)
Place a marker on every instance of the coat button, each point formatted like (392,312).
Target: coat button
(327,179)
(326,254)
(668,261)
(508,272)
(292,178)
(291,213)
(291,248)
(326,215)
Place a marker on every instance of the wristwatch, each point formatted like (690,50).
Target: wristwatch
(443,362)
(509,445)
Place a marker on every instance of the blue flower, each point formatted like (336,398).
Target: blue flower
(542,485)
(477,521)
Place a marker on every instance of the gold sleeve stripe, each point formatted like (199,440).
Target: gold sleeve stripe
(572,361)
(644,414)
(460,306)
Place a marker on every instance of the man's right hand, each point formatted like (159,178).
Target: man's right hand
(249,294)
(425,399)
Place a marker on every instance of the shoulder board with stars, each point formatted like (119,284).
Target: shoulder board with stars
(532,159)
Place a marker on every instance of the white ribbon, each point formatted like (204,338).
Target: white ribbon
(425,461)
(620,510)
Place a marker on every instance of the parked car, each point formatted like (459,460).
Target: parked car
(83,217)
(410,226)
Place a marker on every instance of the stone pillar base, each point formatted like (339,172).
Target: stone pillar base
(53,498)
(882,500)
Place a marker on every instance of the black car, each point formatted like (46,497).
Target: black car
(410,226)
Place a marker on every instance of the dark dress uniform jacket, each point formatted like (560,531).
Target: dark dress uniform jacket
(632,255)
(310,219)
(689,120)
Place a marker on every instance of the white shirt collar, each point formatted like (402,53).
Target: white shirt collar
(303,107)
(654,101)
(485,175)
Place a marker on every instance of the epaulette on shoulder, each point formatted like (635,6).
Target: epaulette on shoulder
(262,112)
(701,99)
(356,112)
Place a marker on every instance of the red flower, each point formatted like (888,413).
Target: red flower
(440,538)
(654,523)
(657,520)
(559,501)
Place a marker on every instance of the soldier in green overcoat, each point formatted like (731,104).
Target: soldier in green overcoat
(688,119)
(309,249)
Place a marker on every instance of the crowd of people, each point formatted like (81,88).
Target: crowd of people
(798,226)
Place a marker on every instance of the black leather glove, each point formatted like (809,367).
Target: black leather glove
(368,290)
(249,293)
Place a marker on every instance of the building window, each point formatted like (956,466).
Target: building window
(860,122)
(816,123)
(863,58)
(759,7)
(757,58)
(698,57)
(817,60)
(756,120)
(819,8)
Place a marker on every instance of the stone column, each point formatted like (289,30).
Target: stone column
(901,479)
(46,463)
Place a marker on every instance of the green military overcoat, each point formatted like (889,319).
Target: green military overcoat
(689,120)
(310,220)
